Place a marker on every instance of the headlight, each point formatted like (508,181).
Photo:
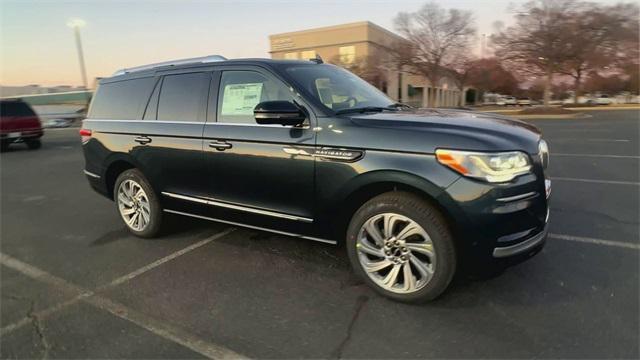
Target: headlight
(543,150)
(491,167)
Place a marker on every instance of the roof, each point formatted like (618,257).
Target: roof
(197,62)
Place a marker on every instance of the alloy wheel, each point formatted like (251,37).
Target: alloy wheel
(133,204)
(396,253)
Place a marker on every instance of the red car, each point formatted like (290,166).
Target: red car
(19,123)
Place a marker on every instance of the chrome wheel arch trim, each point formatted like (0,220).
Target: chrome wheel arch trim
(89,173)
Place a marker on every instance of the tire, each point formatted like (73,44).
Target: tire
(423,238)
(33,144)
(4,146)
(132,192)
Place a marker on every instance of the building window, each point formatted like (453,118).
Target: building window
(291,56)
(347,54)
(309,54)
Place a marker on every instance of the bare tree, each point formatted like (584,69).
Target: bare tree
(460,72)
(435,38)
(599,37)
(536,44)
(489,75)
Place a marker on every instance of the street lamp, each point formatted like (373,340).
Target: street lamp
(76,24)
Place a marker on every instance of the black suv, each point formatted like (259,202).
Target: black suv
(308,149)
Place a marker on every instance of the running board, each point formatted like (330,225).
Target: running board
(333,242)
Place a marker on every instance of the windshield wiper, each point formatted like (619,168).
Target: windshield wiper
(363,110)
(399,105)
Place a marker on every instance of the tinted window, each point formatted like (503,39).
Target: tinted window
(241,91)
(183,96)
(15,108)
(122,100)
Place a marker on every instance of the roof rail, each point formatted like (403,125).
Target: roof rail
(202,59)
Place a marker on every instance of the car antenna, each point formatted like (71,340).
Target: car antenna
(317,59)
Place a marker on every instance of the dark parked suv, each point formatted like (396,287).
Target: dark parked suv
(308,149)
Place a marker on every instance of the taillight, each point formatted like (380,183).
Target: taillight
(85,134)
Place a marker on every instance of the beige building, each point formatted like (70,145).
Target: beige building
(364,48)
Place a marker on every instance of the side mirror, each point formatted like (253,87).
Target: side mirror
(278,112)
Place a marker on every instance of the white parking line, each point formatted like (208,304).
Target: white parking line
(164,330)
(157,327)
(81,295)
(598,155)
(551,140)
(596,181)
(621,244)
(163,260)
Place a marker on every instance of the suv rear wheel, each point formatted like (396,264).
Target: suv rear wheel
(402,247)
(137,204)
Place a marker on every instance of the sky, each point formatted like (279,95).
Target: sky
(37,47)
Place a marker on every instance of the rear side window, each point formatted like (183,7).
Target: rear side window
(183,97)
(15,108)
(122,100)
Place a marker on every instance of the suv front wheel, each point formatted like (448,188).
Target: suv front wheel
(137,204)
(402,247)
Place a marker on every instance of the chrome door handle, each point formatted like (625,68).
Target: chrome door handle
(220,145)
(143,140)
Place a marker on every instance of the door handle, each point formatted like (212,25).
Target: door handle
(143,140)
(220,145)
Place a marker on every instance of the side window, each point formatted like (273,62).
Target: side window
(121,100)
(183,97)
(241,91)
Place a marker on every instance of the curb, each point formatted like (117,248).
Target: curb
(601,108)
(565,116)
(543,116)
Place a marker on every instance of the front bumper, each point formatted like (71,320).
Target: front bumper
(499,221)
(521,247)
(22,134)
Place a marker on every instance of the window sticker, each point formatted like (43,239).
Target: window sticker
(241,99)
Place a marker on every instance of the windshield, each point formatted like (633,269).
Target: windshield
(338,89)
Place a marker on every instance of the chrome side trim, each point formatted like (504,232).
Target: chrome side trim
(507,251)
(517,197)
(294,151)
(305,127)
(327,153)
(88,173)
(215,123)
(148,121)
(251,226)
(214,202)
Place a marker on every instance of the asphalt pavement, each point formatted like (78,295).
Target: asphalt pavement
(75,284)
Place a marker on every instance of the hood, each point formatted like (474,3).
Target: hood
(447,118)
(467,130)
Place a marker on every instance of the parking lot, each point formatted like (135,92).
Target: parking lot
(75,284)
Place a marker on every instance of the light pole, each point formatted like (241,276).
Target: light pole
(76,24)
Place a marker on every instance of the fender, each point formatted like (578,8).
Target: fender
(364,186)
